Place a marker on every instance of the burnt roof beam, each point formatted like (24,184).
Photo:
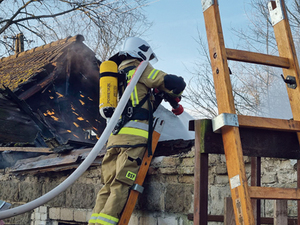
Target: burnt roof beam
(50,139)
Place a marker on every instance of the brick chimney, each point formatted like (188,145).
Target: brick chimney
(19,43)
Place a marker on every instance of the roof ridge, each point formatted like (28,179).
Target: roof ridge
(69,39)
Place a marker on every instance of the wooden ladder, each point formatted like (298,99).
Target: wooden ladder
(137,188)
(228,123)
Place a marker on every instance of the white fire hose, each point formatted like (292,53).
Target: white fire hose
(89,159)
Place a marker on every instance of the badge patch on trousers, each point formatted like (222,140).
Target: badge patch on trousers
(131,175)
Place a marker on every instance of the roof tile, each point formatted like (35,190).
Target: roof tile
(19,68)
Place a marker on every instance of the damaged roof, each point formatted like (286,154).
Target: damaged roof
(52,92)
(21,67)
(57,87)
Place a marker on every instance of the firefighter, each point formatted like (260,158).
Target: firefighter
(128,142)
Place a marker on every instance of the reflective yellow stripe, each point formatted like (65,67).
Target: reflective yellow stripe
(129,75)
(93,218)
(134,131)
(134,97)
(103,222)
(105,219)
(153,74)
(134,94)
(92,221)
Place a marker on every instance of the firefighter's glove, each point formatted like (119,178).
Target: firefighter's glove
(174,84)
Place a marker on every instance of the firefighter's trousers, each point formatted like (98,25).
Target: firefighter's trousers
(119,169)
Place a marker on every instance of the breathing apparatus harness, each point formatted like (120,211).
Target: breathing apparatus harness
(113,82)
(137,112)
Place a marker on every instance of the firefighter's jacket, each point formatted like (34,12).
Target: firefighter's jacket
(135,132)
(121,162)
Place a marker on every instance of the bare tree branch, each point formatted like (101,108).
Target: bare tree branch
(102,22)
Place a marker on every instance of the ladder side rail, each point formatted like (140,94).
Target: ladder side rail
(286,48)
(231,137)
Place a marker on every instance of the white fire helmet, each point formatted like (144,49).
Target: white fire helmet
(138,48)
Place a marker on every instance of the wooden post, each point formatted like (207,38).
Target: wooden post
(255,181)
(280,212)
(201,177)
(298,186)
(228,212)
(201,195)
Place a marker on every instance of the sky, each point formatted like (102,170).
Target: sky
(175,29)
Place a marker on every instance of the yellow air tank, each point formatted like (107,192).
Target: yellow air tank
(108,88)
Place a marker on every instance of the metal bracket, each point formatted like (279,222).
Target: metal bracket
(290,81)
(275,10)
(138,188)
(224,119)
(207,3)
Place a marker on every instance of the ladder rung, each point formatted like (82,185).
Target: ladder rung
(274,193)
(257,58)
(269,123)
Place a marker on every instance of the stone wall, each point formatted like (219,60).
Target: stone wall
(167,198)
(274,173)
